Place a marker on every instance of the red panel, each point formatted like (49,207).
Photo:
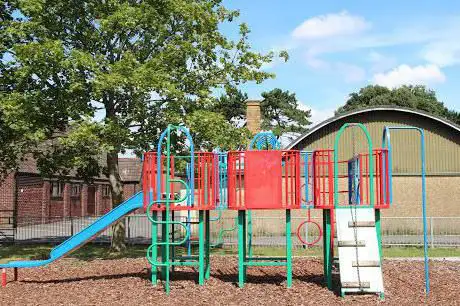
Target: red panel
(204,189)
(262,171)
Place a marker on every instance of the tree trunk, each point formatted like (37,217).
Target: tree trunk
(118,228)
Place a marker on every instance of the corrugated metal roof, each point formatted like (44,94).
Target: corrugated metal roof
(442,139)
(371,109)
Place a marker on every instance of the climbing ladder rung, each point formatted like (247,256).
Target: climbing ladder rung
(351,243)
(361,224)
(366,263)
(356,285)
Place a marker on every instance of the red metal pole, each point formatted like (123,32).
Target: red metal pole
(4,278)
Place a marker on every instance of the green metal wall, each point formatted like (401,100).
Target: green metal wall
(442,141)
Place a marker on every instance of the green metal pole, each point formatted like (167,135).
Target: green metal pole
(336,161)
(163,245)
(201,248)
(241,247)
(379,232)
(245,245)
(207,245)
(155,248)
(327,247)
(288,249)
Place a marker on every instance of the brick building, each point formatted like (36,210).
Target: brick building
(29,197)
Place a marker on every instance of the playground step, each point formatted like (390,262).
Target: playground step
(359,257)
(361,224)
(364,285)
(351,243)
(366,263)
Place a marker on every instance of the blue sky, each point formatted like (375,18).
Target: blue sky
(337,47)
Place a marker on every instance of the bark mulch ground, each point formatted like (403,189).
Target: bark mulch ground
(126,282)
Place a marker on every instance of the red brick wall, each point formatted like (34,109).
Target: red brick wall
(7,193)
(105,202)
(29,197)
(56,207)
(75,206)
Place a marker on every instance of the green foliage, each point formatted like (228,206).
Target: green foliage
(281,113)
(232,106)
(416,97)
(99,76)
(222,134)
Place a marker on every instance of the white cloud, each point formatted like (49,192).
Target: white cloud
(335,24)
(317,115)
(443,53)
(406,75)
(350,73)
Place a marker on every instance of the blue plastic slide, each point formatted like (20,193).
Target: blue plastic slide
(83,236)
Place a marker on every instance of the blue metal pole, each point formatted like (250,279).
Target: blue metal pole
(387,143)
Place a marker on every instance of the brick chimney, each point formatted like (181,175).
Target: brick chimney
(253,116)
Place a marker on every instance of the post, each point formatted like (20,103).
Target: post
(15,274)
(71,226)
(173,249)
(164,238)
(4,278)
(327,247)
(288,249)
(207,246)
(128,218)
(201,248)
(155,247)
(249,230)
(241,247)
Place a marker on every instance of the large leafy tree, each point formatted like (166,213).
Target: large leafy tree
(282,115)
(93,77)
(416,97)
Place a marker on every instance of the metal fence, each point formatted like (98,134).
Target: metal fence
(267,231)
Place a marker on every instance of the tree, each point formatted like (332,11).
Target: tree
(416,97)
(280,111)
(282,115)
(233,106)
(102,77)
(223,135)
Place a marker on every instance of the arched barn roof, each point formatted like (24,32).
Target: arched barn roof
(369,110)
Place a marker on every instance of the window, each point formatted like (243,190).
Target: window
(57,189)
(105,191)
(75,190)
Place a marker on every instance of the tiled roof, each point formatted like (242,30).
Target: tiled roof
(130,168)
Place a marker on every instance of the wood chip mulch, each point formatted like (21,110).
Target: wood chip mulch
(126,282)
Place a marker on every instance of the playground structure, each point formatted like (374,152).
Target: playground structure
(351,192)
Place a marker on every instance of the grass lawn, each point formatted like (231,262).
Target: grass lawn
(95,251)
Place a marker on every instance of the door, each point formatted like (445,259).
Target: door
(91,200)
